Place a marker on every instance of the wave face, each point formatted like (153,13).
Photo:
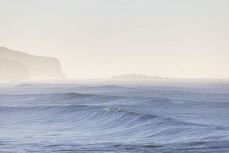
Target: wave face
(133,119)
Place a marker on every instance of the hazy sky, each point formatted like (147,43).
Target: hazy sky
(101,38)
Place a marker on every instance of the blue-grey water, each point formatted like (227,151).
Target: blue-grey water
(166,118)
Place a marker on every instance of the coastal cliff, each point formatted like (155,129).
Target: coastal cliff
(12,70)
(19,66)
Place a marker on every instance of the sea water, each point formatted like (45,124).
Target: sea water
(58,117)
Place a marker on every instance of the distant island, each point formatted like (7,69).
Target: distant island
(135,77)
(16,65)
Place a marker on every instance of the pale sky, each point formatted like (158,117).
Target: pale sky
(102,38)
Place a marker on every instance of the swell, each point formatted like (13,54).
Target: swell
(94,112)
(113,123)
(60,99)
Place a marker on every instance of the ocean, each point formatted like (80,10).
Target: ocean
(114,117)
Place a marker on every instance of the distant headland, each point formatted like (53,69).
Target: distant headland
(17,65)
(136,77)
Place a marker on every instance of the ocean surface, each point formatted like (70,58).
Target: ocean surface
(120,118)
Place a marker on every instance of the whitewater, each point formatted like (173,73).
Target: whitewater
(121,118)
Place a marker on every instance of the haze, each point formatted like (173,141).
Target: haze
(102,38)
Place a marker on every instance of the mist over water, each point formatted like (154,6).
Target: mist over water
(114,76)
(108,117)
